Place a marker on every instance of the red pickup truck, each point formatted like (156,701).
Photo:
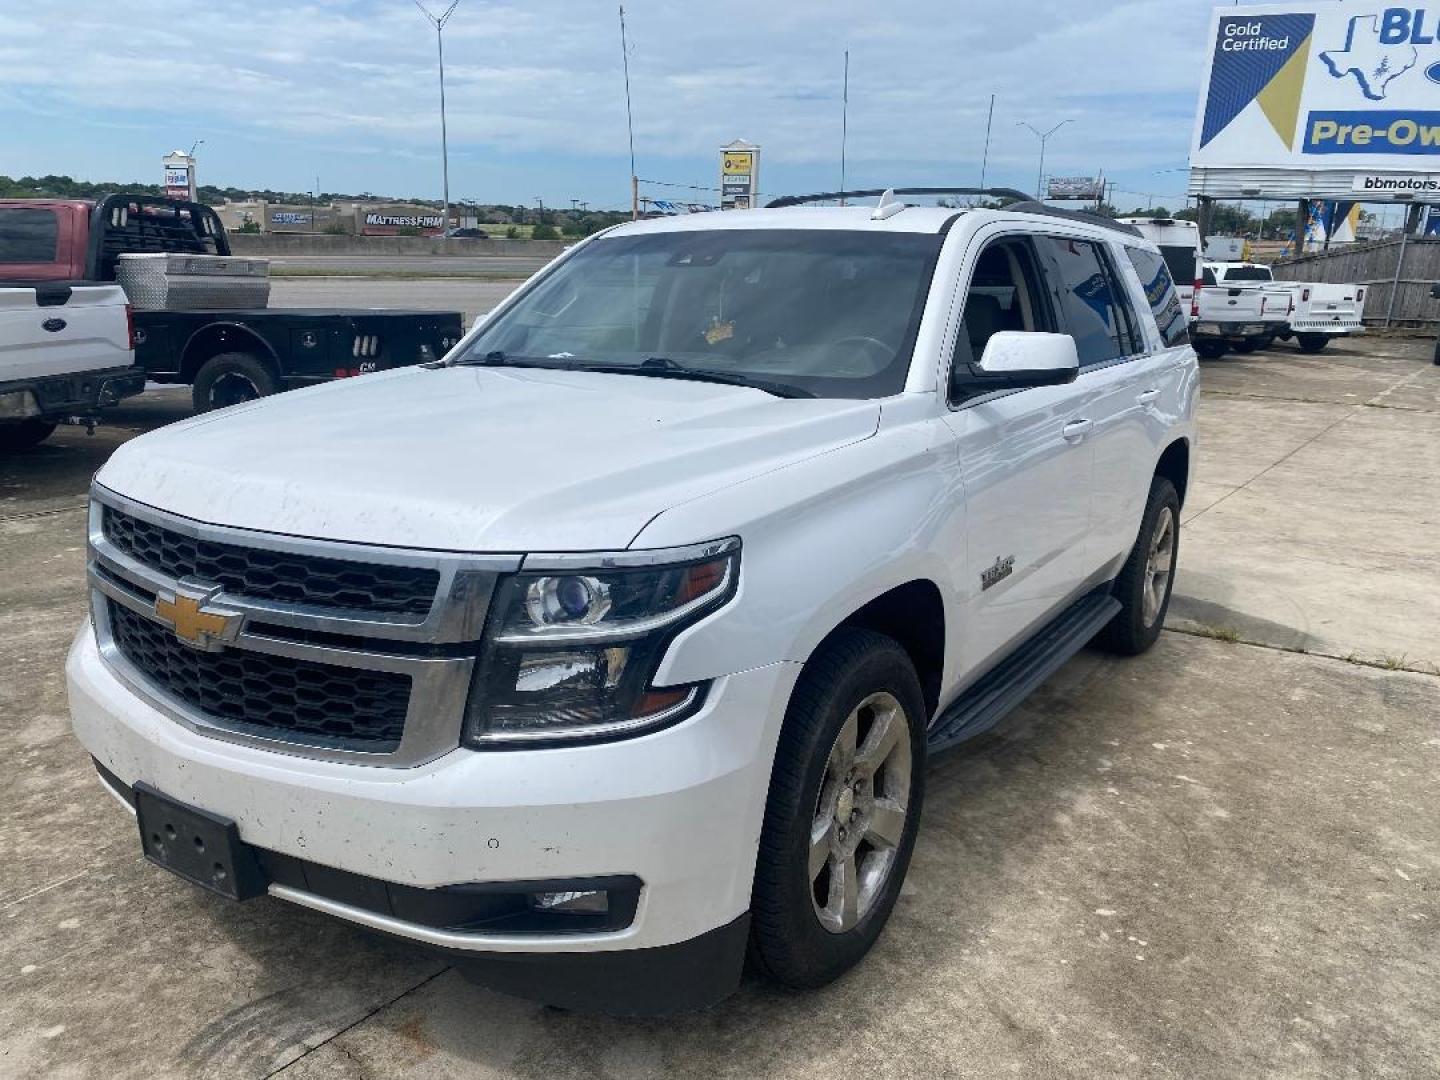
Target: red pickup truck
(227,356)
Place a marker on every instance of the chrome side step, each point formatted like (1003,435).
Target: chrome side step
(1002,688)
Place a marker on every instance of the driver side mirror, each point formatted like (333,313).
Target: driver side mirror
(1016,359)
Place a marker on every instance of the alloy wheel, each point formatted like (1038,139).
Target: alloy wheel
(860,813)
(1159,564)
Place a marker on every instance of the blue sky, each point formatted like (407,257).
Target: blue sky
(283,92)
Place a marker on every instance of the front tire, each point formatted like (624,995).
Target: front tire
(1312,343)
(24,435)
(1144,583)
(843,810)
(231,379)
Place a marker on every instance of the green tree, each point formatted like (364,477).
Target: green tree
(544,232)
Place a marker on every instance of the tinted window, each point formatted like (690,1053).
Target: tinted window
(1005,293)
(1181,261)
(1093,315)
(1248,273)
(28,236)
(1160,292)
(830,313)
(1208,277)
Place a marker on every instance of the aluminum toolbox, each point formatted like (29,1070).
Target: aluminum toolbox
(173,282)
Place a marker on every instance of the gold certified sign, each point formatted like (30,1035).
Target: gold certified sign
(193,623)
(737,162)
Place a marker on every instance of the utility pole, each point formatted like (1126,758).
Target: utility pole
(629,121)
(1044,137)
(844,120)
(439,24)
(985,157)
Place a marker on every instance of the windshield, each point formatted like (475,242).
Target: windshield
(824,313)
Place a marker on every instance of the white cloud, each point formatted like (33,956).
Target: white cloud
(544,77)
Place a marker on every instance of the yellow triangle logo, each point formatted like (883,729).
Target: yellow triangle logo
(1280,100)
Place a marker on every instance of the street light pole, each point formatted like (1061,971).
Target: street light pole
(1044,137)
(439,24)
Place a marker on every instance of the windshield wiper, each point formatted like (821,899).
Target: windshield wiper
(660,367)
(493,358)
(663,367)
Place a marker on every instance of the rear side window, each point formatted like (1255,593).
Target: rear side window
(1160,292)
(1208,277)
(1181,261)
(1094,314)
(28,235)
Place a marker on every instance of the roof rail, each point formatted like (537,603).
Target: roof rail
(1030,206)
(864,193)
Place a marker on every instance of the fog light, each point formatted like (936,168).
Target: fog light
(18,405)
(574,903)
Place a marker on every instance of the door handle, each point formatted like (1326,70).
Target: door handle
(1076,430)
(1145,397)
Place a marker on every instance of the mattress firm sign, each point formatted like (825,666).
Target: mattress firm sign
(1320,86)
(394,223)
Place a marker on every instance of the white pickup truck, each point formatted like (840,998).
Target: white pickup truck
(65,353)
(616,641)
(1318,311)
(1236,313)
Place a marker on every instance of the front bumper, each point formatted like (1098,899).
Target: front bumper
(679,809)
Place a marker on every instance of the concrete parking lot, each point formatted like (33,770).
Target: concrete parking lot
(1221,859)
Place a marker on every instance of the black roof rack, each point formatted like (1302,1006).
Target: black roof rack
(831,196)
(1022,203)
(1030,206)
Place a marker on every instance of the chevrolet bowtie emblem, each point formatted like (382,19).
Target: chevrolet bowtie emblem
(194,621)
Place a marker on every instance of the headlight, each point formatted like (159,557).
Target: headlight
(570,653)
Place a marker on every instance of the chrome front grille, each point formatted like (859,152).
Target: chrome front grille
(319,648)
(274,575)
(271,696)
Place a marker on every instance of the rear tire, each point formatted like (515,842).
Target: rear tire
(1246,346)
(231,379)
(1209,350)
(24,435)
(1144,582)
(1312,343)
(843,810)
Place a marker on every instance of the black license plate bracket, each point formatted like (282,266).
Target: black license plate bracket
(203,848)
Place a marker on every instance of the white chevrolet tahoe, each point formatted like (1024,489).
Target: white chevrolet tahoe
(617,640)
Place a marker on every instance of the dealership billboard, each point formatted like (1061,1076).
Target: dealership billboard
(1324,93)
(1088,188)
(399,222)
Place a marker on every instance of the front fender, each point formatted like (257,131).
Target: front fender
(821,539)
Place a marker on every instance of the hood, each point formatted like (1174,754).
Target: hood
(476,459)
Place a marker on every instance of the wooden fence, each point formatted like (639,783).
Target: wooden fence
(1375,266)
